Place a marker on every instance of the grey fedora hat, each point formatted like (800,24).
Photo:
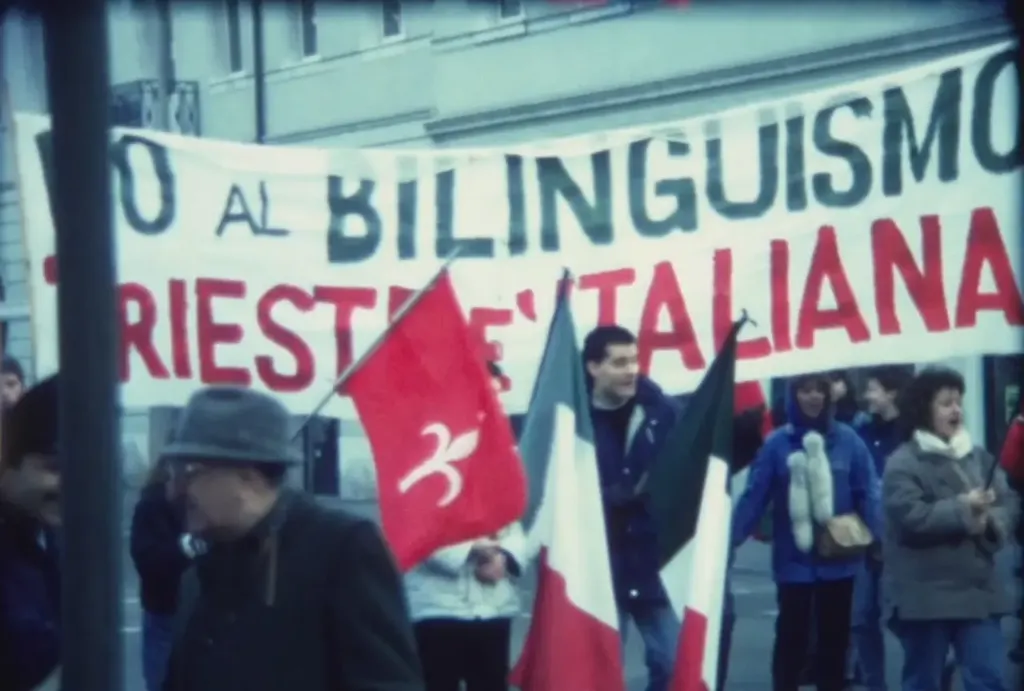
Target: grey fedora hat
(228,424)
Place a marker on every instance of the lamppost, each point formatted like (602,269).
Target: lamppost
(77,73)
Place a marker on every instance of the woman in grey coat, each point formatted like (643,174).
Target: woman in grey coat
(948,511)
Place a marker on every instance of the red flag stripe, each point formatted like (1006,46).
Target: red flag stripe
(693,640)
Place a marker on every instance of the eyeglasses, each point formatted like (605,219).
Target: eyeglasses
(187,471)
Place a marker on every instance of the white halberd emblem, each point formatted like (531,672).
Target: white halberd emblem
(448,451)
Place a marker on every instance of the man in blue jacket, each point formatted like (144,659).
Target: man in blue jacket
(810,470)
(882,434)
(29,515)
(631,417)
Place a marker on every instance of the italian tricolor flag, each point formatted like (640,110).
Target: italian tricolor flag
(689,491)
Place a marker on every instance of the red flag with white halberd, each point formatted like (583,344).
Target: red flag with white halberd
(447,465)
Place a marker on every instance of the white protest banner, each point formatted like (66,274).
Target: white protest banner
(872,223)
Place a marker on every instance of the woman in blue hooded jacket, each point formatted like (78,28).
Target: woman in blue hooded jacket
(810,470)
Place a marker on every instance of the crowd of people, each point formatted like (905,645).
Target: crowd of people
(881,512)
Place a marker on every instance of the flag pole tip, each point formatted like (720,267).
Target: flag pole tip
(746,318)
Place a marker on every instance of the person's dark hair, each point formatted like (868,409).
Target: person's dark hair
(892,377)
(595,345)
(494,369)
(30,425)
(916,403)
(847,407)
(12,366)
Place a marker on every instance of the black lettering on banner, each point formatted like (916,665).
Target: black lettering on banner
(236,210)
(682,190)
(516,205)
(768,174)
(162,169)
(265,227)
(341,247)
(595,218)
(446,242)
(943,131)
(823,184)
(796,163)
(161,160)
(408,198)
(982,113)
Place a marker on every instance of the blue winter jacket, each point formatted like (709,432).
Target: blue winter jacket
(632,539)
(882,438)
(855,489)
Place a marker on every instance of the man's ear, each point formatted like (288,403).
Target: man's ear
(592,367)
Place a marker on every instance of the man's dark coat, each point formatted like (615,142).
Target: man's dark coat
(310,601)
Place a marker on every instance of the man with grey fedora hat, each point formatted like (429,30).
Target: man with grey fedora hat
(289,594)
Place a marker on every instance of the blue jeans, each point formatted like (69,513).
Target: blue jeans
(725,644)
(866,620)
(659,628)
(157,637)
(977,644)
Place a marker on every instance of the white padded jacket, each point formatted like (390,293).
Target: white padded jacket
(444,587)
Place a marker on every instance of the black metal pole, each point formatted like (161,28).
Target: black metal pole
(259,72)
(77,73)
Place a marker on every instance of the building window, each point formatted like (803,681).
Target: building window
(392,18)
(510,9)
(233,15)
(307,28)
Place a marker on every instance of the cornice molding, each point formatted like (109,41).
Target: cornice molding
(925,44)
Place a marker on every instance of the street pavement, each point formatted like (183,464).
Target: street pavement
(750,667)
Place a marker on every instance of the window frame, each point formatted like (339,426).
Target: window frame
(233,29)
(385,6)
(518,16)
(308,30)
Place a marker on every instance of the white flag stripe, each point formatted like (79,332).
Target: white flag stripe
(695,577)
(570,521)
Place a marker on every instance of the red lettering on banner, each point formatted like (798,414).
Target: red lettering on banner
(50,270)
(986,284)
(286,338)
(665,294)
(180,359)
(527,305)
(985,246)
(397,297)
(826,265)
(480,319)
(139,334)
(345,301)
(607,284)
(891,253)
(778,266)
(210,333)
(722,316)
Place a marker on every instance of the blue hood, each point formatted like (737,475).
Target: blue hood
(800,422)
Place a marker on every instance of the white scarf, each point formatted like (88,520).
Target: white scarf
(959,446)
